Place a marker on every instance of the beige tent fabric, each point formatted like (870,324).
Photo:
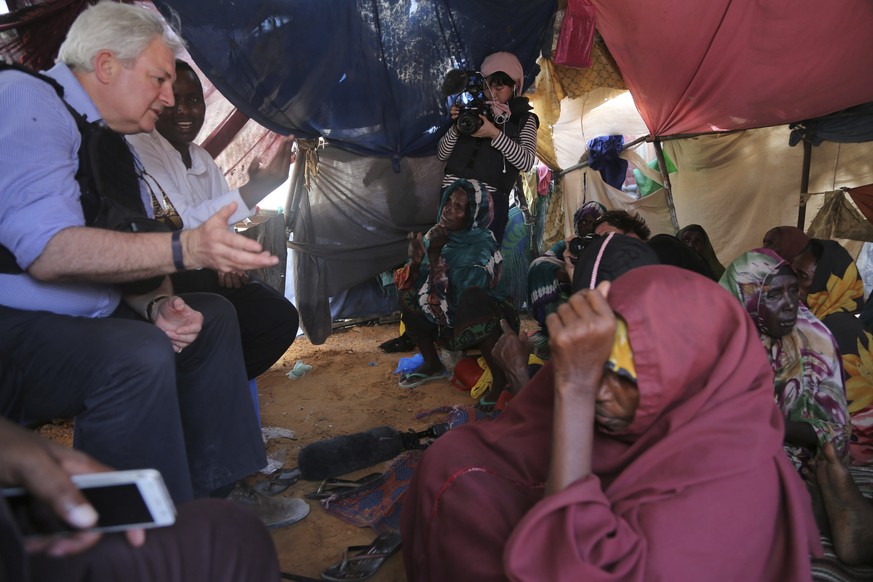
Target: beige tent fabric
(652,208)
(739,185)
(604,111)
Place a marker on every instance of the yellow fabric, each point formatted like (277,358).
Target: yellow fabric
(546,103)
(485,380)
(841,294)
(621,358)
(859,383)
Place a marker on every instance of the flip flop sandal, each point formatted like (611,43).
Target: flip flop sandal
(413,379)
(296,577)
(278,482)
(333,489)
(486,406)
(361,562)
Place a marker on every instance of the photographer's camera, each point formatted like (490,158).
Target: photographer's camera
(468,88)
(468,121)
(578,244)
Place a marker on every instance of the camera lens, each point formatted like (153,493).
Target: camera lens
(469,122)
(578,244)
(575,246)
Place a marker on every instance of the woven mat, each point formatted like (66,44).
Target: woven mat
(379,507)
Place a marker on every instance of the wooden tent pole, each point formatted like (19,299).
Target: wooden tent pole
(804,184)
(665,180)
(222,135)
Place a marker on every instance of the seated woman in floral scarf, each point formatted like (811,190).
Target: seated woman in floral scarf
(548,281)
(808,376)
(449,291)
(832,289)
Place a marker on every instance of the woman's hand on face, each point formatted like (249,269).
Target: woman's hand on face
(582,332)
(512,352)
(488,129)
(454,112)
(416,248)
(438,237)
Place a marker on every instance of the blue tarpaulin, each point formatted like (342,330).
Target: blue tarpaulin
(365,75)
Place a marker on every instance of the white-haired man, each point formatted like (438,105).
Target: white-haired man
(153,379)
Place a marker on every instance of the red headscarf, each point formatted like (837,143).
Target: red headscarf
(696,487)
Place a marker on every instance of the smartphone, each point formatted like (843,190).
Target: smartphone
(123,500)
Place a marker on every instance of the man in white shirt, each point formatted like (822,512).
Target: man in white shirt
(187,187)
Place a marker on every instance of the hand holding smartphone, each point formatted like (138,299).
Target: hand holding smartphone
(123,500)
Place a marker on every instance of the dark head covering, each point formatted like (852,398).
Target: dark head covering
(593,209)
(608,257)
(708,253)
(672,251)
(792,240)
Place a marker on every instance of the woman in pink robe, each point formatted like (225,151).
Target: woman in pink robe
(589,476)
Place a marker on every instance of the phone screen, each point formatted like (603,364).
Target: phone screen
(117,505)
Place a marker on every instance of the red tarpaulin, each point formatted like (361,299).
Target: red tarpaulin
(863,198)
(714,65)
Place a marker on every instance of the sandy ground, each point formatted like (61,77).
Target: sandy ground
(350,389)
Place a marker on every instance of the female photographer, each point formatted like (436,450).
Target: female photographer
(495,153)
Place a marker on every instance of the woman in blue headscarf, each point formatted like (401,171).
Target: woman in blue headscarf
(448,288)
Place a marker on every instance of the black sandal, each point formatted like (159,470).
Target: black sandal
(334,489)
(278,482)
(363,564)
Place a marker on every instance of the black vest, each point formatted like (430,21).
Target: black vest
(108,184)
(477,159)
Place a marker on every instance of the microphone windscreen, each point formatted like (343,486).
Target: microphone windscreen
(455,82)
(347,453)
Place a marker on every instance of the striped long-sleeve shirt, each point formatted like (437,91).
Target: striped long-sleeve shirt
(521,154)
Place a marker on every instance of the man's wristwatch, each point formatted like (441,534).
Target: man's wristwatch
(150,307)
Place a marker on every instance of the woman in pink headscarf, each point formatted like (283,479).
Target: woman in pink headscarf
(503,146)
(650,448)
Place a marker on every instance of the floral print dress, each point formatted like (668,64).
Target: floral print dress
(836,294)
(808,384)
